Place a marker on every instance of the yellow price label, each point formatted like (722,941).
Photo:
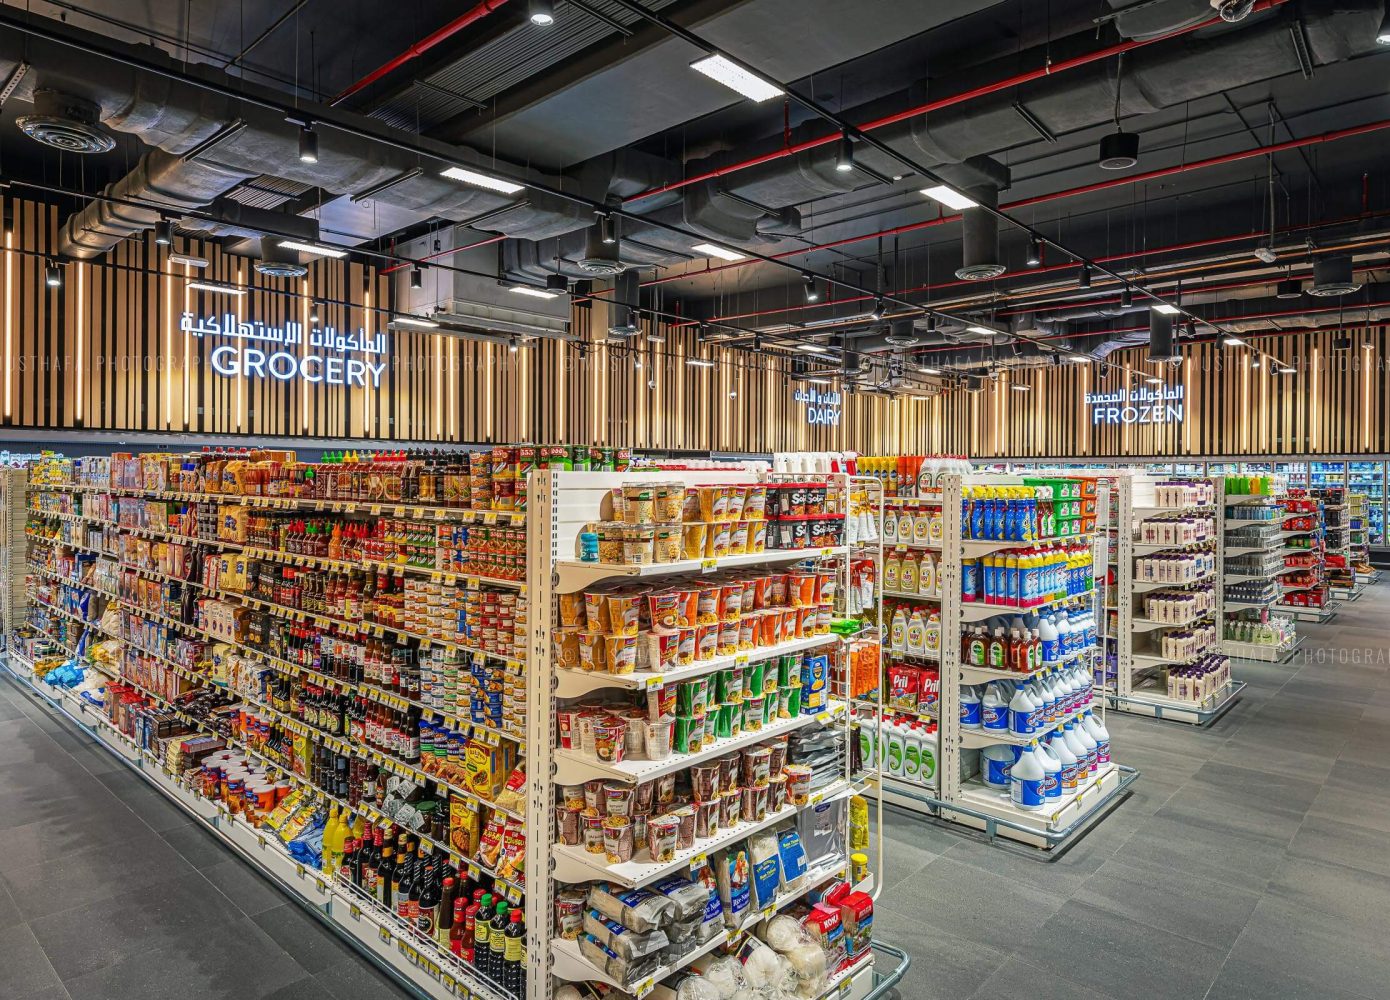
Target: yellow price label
(320,885)
(384,934)
(449,982)
(708,565)
(375,508)
(741,660)
(698,861)
(645,986)
(656,681)
(299,870)
(355,911)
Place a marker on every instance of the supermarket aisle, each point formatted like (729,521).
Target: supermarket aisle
(1250,862)
(108,890)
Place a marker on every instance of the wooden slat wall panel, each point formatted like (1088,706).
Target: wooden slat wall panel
(105,352)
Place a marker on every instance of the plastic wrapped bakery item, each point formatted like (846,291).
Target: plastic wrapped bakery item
(760,966)
(589,991)
(636,909)
(728,977)
(615,966)
(787,936)
(628,945)
(691,986)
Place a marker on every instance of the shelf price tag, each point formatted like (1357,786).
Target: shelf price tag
(385,934)
(449,982)
(644,987)
(697,862)
(299,870)
(708,565)
(355,911)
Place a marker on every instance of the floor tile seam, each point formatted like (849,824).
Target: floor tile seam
(99,899)
(980,995)
(1165,930)
(1236,943)
(44,952)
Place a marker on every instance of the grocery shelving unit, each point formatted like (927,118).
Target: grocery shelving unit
(1141,662)
(564,502)
(14,597)
(414,959)
(1317,547)
(960,798)
(1254,560)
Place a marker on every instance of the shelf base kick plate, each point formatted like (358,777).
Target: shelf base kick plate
(1156,706)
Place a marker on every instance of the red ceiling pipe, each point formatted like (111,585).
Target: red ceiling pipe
(1150,175)
(944,102)
(476,13)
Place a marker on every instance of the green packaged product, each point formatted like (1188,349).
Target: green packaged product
(787,668)
(769,708)
(729,686)
(791,697)
(753,675)
(692,697)
(724,720)
(690,734)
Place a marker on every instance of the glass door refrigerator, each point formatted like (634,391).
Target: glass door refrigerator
(1327,474)
(1295,472)
(1368,478)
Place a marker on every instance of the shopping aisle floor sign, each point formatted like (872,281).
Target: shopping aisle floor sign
(1163,404)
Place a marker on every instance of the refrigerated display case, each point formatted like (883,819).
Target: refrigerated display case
(1368,480)
(1295,472)
(1327,474)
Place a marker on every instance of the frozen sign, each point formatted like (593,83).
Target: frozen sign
(822,408)
(1162,404)
(259,350)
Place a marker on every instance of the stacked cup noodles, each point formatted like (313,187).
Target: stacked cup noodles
(668,522)
(652,820)
(634,627)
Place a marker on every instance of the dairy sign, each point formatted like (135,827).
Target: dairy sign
(259,351)
(822,408)
(1162,404)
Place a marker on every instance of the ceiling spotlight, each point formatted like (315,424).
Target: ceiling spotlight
(1119,151)
(1287,371)
(812,292)
(733,394)
(1154,381)
(606,234)
(925,370)
(1233,342)
(880,309)
(542,12)
(308,144)
(1383,35)
(53,275)
(637,363)
(1126,297)
(417,278)
(844,154)
(1289,288)
(1035,252)
(735,77)
(511,345)
(812,348)
(313,311)
(1083,277)
(1021,388)
(557,283)
(1080,359)
(163,233)
(715,250)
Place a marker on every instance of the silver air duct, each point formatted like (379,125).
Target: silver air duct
(980,238)
(67,123)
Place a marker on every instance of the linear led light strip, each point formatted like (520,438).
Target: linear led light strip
(481,180)
(736,78)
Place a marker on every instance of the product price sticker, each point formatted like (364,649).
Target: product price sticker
(698,862)
(355,911)
(385,934)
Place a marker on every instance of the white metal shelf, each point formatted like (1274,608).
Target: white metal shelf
(573,864)
(573,683)
(972,611)
(975,739)
(575,767)
(574,576)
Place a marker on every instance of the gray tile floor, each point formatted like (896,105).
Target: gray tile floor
(1250,862)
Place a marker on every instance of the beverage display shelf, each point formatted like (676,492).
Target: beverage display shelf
(571,965)
(574,865)
(1240,550)
(574,683)
(576,767)
(349,565)
(378,507)
(976,739)
(574,575)
(1227,606)
(974,611)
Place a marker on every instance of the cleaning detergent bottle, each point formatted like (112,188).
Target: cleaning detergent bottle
(868,742)
(928,734)
(994,707)
(893,737)
(969,707)
(1089,742)
(897,632)
(927,583)
(1026,781)
(912,752)
(1064,636)
(995,764)
(1047,632)
(1067,757)
(1078,750)
(915,643)
(1021,711)
(1101,735)
(1052,771)
(932,637)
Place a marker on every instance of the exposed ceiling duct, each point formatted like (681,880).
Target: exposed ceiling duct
(980,238)
(200,158)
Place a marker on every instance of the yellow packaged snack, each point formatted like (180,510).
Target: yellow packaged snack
(464,826)
(858,823)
